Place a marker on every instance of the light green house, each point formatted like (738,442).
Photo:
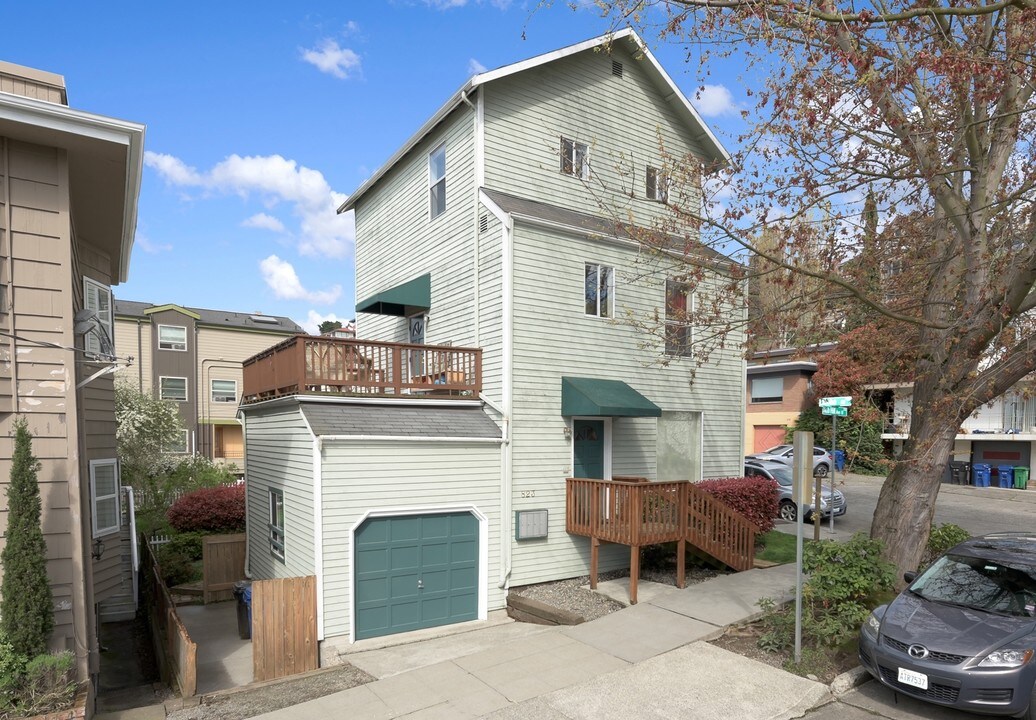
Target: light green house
(486,230)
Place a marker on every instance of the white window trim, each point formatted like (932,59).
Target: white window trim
(212,390)
(273,529)
(186,388)
(433,181)
(611,290)
(174,349)
(106,321)
(583,172)
(94,497)
(662,184)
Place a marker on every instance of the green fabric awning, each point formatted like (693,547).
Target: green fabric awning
(593,397)
(410,298)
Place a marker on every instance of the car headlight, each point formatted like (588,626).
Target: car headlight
(1007,658)
(872,626)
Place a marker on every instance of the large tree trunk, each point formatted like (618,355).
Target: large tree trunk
(906,505)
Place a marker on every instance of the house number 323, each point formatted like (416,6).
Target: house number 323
(528,493)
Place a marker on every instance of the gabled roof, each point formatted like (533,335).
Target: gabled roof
(211,318)
(655,72)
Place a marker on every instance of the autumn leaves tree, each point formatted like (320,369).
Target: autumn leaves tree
(889,157)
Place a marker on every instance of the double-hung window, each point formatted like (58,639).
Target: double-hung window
(277,524)
(575,158)
(172,337)
(98,297)
(224,391)
(437,182)
(656,185)
(679,306)
(104,494)
(172,388)
(599,286)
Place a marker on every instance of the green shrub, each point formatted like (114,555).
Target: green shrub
(176,567)
(48,684)
(942,538)
(844,583)
(188,544)
(859,439)
(12,668)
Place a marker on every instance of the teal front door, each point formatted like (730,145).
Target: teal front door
(415,571)
(588,448)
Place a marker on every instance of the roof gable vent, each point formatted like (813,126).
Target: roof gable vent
(483,223)
(616,68)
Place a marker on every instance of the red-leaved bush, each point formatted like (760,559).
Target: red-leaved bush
(753,497)
(218,509)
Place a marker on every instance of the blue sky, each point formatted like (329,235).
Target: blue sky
(262,116)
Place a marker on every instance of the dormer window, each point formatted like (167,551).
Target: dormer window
(575,159)
(437,182)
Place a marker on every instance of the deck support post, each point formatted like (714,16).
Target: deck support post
(634,572)
(595,545)
(681,554)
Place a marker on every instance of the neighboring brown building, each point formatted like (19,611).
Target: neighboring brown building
(192,356)
(69,182)
(778,389)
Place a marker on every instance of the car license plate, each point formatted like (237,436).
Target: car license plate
(913,679)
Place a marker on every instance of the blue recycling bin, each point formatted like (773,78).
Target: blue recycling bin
(1005,475)
(980,473)
(840,460)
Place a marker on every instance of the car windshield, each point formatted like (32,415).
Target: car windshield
(782,475)
(980,584)
(778,449)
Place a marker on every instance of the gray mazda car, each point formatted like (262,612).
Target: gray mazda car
(963,633)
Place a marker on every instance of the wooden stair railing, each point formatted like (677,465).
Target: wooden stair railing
(719,530)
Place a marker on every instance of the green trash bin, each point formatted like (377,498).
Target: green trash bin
(1021,477)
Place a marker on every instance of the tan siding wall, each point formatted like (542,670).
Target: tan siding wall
(129,344)
(28,88)
(220,354)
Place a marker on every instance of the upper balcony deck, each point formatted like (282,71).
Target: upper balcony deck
(309,365)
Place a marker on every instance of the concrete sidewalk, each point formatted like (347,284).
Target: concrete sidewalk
(648,660)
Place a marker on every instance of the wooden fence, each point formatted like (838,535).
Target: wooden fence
(223,564)
(284,627)
(177,654)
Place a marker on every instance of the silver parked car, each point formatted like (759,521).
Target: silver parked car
(786,508)
(822,459)
(963,634)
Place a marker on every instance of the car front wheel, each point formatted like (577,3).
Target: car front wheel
(787,510)
(821,471)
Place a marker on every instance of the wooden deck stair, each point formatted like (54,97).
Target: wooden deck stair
(635,512)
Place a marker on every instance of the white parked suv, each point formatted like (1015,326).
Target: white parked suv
(822,460)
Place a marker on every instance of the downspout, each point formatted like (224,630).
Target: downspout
(140,356)
(318,520)
(248,534)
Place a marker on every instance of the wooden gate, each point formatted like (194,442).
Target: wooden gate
(223,564)
(284,627)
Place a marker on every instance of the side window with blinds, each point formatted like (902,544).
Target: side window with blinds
(98,297)
(104,495)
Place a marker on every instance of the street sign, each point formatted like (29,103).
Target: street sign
(836,411)
(836,402)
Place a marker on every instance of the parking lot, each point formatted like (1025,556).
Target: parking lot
(978,510)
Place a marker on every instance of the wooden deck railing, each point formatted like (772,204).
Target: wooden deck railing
(316,364)
(638,513)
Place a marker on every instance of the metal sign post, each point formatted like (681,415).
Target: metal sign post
(802,473)
(836,407)
(834,467)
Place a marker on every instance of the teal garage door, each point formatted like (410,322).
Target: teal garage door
(415,571)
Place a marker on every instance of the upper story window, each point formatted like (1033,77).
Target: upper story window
(598,290)
(679,307)
(98,297)
(575,158)
(224,391)
(767,390)
(172,388)
(437,182)
(656,185)
(172,337)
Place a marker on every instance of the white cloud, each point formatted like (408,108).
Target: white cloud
(281,277)
(475,67)
(313,320)
(263,221)
(145,243)
(714,100)
(329,57)
(351,28)
(321,230)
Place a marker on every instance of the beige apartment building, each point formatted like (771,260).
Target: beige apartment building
(192,356)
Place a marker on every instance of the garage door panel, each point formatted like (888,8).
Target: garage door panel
(436,527)
(435,554)
(464,552)
(766,436)
(463,578)
(372,590)
(405,528)
(404,586)
(407,557)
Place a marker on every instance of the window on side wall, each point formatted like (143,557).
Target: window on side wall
(679,307)
(277,524)
(224,391)
(656,185)
(767,390)
(180,445)
(575,158)
(172,388)
(437,182)
(599,288)
(98,297)
(172,337)
(104,494)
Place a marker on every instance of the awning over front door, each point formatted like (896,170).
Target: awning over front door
(593,397)
(410,298)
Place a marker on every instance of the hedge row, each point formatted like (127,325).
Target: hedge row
(753,497)
(218,509)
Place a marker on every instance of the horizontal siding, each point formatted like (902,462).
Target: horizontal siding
(359,478)
(220,354)
(279,455)
(396,241)
(626,122)
(133,339)
(554,338)
(490,306)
